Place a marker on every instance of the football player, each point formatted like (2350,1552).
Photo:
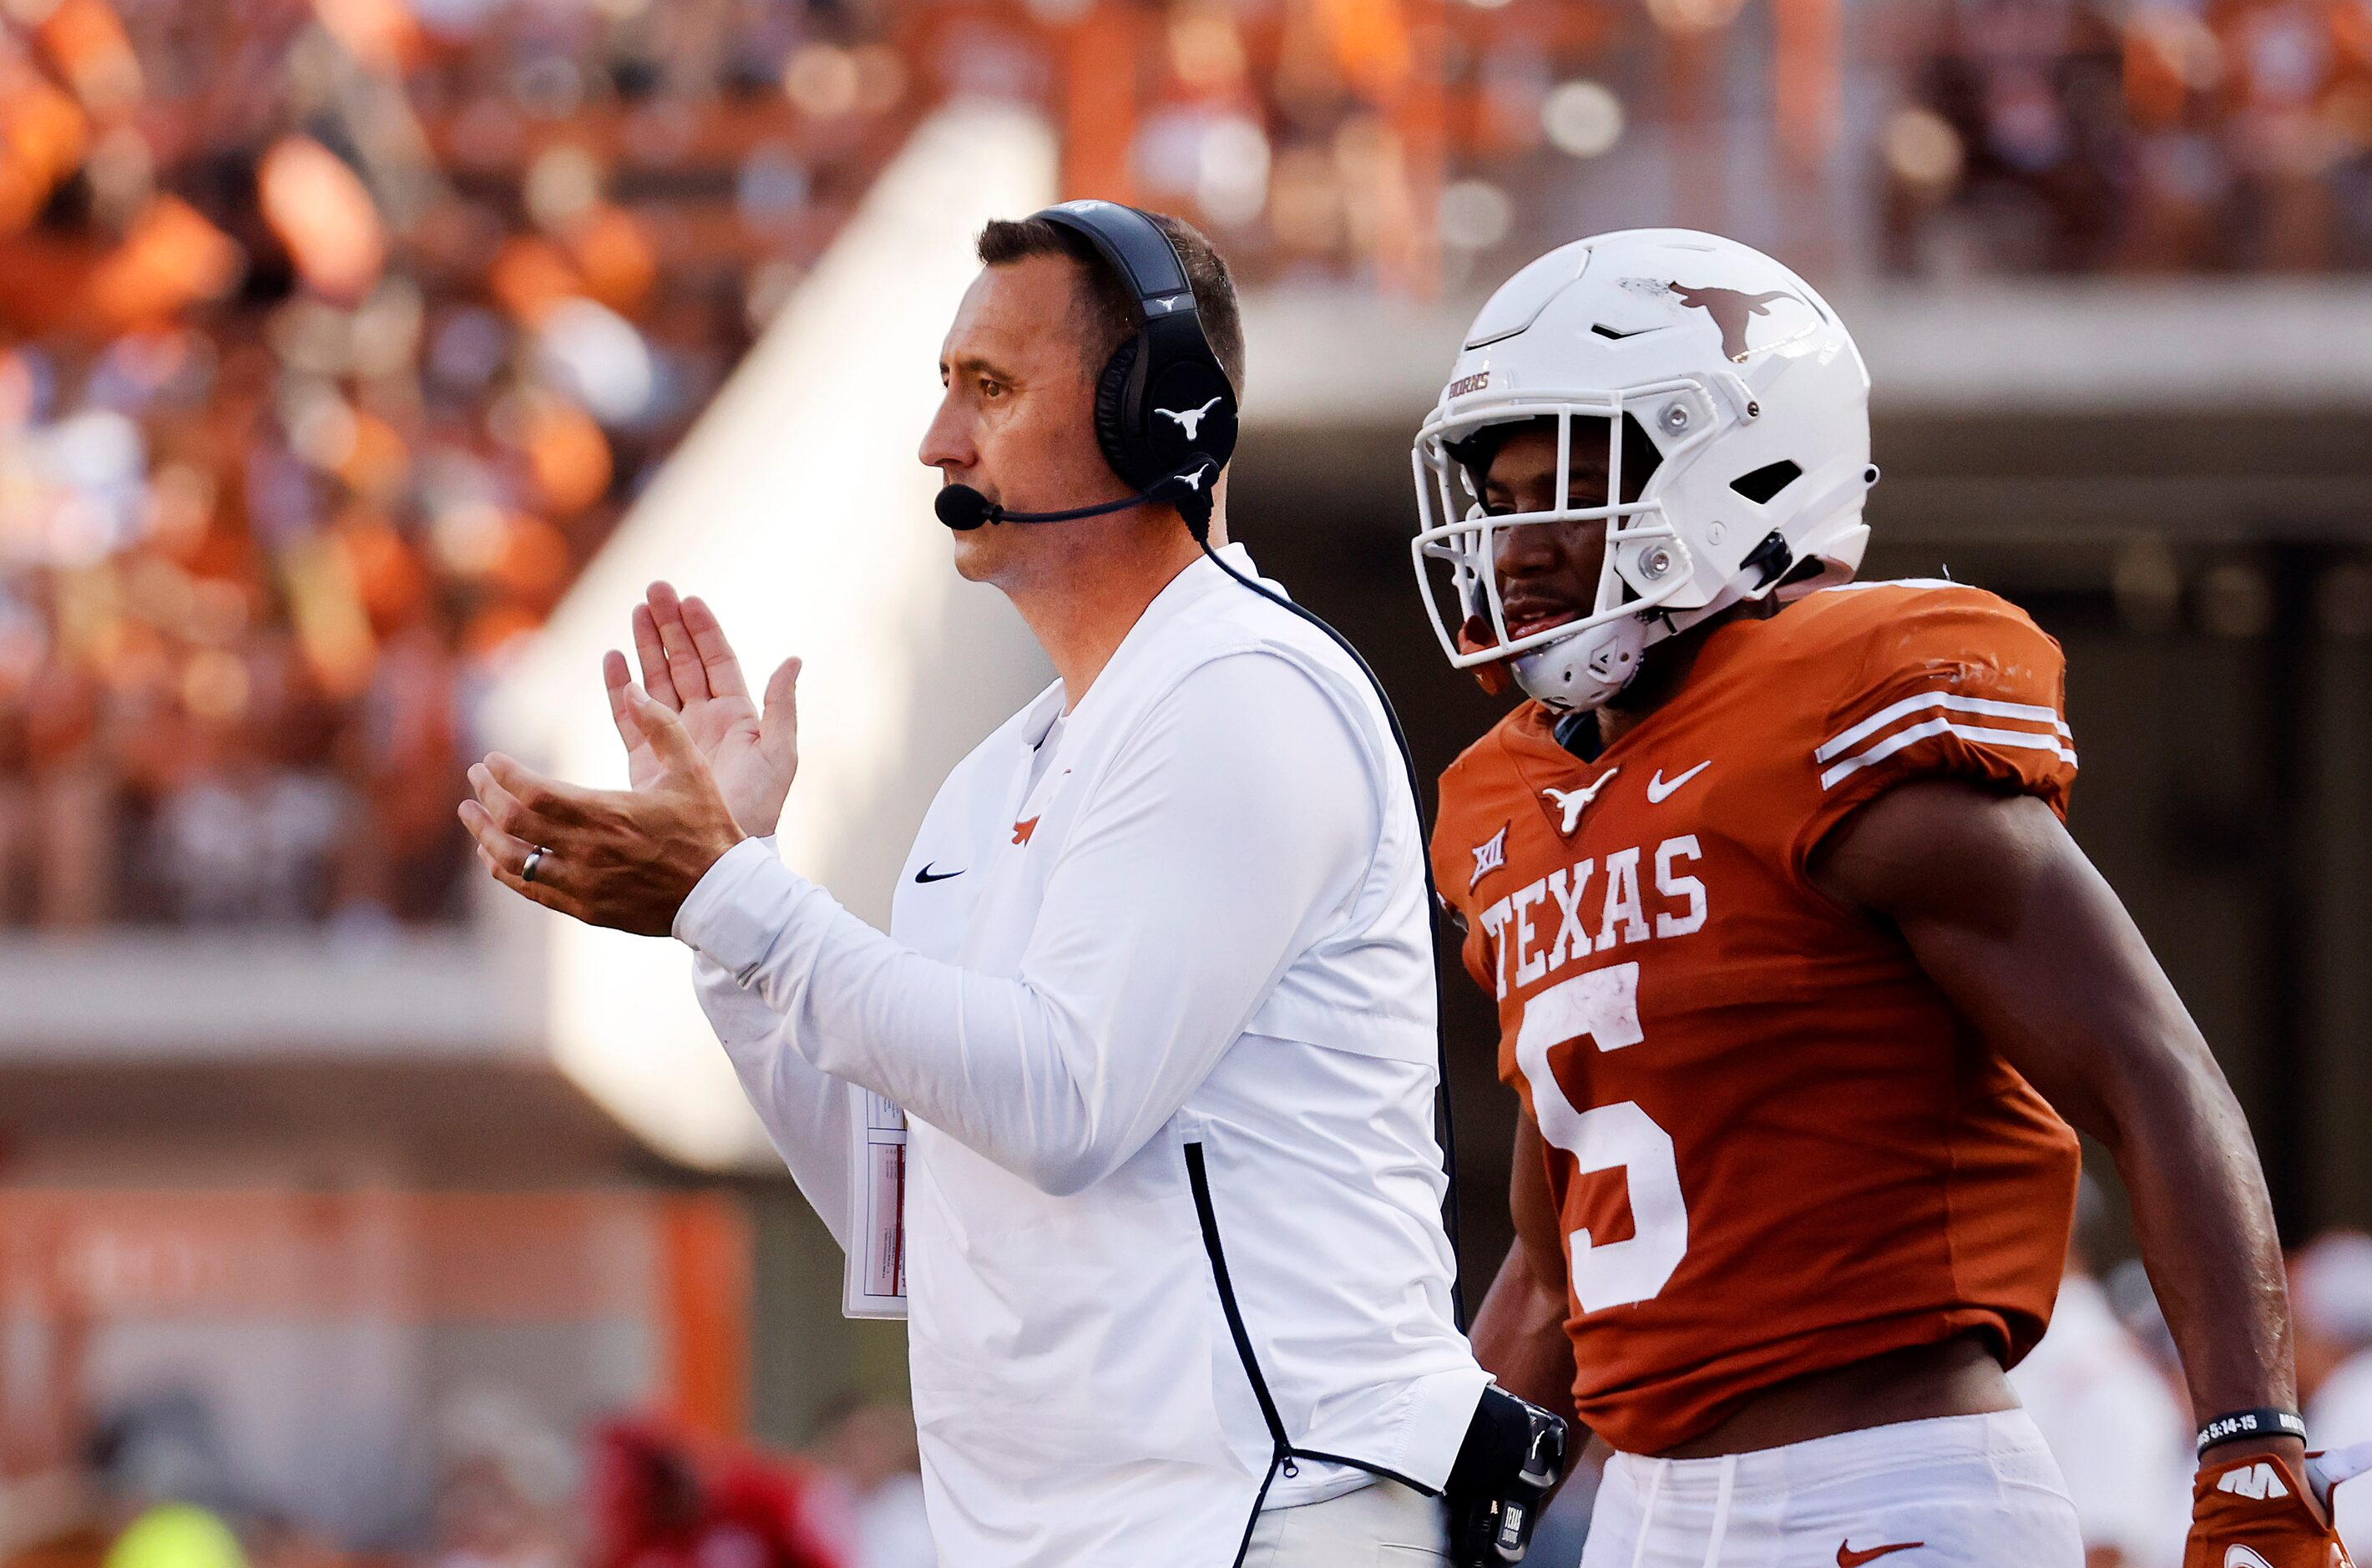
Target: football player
(1797,969)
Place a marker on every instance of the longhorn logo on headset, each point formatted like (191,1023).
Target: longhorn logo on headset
(1190,421)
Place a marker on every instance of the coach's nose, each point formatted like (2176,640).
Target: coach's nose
(946,443)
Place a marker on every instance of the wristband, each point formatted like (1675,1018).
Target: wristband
(2266,1420)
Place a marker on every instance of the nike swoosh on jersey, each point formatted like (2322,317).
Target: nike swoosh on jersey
(1657,790)
(2244,1557)
(1848,1558)
(927,874)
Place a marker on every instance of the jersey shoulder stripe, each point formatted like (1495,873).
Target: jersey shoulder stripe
(2031,712)
(1979,734)
(1961,669)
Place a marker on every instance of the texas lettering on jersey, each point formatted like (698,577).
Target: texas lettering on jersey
(1570,923)
(1771,1145)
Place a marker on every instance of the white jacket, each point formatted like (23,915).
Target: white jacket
(1199,940)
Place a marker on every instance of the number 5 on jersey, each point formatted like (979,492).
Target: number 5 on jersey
(1603,1006)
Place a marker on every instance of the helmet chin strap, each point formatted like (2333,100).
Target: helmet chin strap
(1582,672)
(1591,669)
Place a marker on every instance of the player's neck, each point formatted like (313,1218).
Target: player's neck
(1083,605)
(1663,674)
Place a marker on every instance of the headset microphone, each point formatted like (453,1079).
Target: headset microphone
(964,508)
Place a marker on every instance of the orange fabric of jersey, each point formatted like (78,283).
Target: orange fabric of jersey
(1773,1145)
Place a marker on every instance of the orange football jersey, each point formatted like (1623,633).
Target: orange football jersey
(1773,1146)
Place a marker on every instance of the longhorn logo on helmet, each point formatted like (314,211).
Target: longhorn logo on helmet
(1730,310)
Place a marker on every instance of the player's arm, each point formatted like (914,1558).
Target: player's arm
(2010,918)
(1519,1335)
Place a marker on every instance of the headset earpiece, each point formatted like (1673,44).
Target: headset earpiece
(1112,404)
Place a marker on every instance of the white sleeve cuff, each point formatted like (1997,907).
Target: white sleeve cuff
(733,915)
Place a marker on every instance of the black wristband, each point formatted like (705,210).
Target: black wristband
(2263,1421)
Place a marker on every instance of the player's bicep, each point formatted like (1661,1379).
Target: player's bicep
(2028,942)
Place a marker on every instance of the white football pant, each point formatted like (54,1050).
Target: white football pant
(1961,1491)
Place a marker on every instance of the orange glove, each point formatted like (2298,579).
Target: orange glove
(2253,1510)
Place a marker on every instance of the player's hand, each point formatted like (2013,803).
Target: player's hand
(689,667)
(2251,1507)
(622,858)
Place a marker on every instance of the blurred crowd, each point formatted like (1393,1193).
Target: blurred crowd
(157,1490)
(335,335)
(333,338)
(2134,135)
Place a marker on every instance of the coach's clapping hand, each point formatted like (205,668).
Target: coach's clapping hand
(624,858)
(688,667)
(708,771)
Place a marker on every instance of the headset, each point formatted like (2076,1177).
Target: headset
(1165,419)
(1164,411)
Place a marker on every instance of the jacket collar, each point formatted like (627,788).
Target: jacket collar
(1196,582)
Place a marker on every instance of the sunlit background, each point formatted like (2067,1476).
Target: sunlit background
(361,359)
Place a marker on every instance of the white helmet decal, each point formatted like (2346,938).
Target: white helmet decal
(1753,396)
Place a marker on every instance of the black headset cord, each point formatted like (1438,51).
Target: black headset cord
(1441,1106)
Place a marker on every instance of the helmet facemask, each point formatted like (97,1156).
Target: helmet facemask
(1576,664)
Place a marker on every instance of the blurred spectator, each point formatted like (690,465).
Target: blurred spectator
(869,1449)
(2331,1298)
(151,1490)
(2331,1301)
(177,1535)
(658,1503)
(279,1540)
(2120,1430)
(504,1490)
(166,1447)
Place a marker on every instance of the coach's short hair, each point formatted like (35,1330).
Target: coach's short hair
(1107,306)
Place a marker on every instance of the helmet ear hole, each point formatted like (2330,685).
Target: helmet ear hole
(1767,480)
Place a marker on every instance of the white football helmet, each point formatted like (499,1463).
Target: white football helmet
(1754,397)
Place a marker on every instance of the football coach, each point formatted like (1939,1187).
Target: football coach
(1157,994)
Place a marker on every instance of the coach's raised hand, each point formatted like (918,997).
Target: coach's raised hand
(622,858)
(690,667)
